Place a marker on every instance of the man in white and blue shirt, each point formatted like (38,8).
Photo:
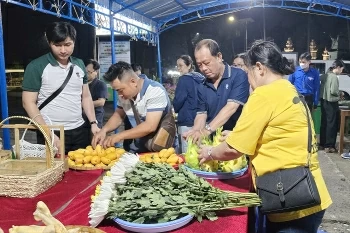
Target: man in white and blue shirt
(149,98)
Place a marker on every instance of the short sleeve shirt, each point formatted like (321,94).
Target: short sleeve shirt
(98,90)
(233,87)
(152,98)
(45,75)
(273,130)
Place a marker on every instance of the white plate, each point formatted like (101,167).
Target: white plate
(218,175)
(156,227)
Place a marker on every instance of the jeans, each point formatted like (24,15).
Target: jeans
(181,130)
(308,224)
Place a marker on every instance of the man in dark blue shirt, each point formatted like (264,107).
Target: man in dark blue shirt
(98,90)
(223,94)
(307,81)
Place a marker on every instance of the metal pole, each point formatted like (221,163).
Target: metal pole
(246,35)
(3,88)
(111,25)
(264,23)
(308,32)
(159,60)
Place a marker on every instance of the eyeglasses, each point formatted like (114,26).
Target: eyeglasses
(237,65)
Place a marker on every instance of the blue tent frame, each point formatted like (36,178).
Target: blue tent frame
(158,15)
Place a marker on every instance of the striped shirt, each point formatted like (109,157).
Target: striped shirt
(152,98)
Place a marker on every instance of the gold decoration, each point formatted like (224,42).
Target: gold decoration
(325,54)
(313,49)
(289,45)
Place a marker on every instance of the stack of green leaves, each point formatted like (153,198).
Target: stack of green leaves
(157,193)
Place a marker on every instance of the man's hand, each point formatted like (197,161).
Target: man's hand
(111,141)
(196,135)
(225,134)
(95,129)
(98,138)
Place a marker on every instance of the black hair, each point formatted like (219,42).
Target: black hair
(240,55)
(188,61)
(335,64)
(268,54)
(136,67)
(57,32)
(117,70)
(306,56)
(94,63)
(212,45)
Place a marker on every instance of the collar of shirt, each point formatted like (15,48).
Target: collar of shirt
(225,75)
(54,62)
(145,85)
(310,70)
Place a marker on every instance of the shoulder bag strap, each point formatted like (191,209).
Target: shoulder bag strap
(309,139)
(136,113)
(59,90)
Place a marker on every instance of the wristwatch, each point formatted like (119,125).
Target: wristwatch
(207,127)
(94,122)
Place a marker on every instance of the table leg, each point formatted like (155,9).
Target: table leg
(341,132)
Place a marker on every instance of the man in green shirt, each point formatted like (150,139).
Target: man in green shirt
(44,75)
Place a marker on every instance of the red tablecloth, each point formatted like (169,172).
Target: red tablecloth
(19,211)
(69,201)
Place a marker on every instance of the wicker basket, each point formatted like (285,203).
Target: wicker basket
(32,150)
(29,178)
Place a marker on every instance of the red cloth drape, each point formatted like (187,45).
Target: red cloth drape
(19,211)
(70,199)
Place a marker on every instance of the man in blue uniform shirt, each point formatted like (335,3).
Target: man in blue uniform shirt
(222,96)
(307,81)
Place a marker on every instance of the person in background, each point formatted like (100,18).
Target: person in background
(147,96)
(238,62)
(277,138)
(186,92)
(222,95)
(307,81)
(330,95)
(44,75)
(98,90)
(138,70)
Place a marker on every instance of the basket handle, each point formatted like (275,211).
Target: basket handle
(50,158)
(50,122)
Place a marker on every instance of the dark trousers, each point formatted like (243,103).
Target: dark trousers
(308,224)
(73,139)
(329,126)
(309,99)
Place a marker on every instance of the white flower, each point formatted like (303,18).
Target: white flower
(99,206)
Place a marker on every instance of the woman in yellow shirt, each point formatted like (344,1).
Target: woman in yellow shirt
(273,131)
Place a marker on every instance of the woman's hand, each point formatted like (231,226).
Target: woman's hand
(225,134)
(204,154)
